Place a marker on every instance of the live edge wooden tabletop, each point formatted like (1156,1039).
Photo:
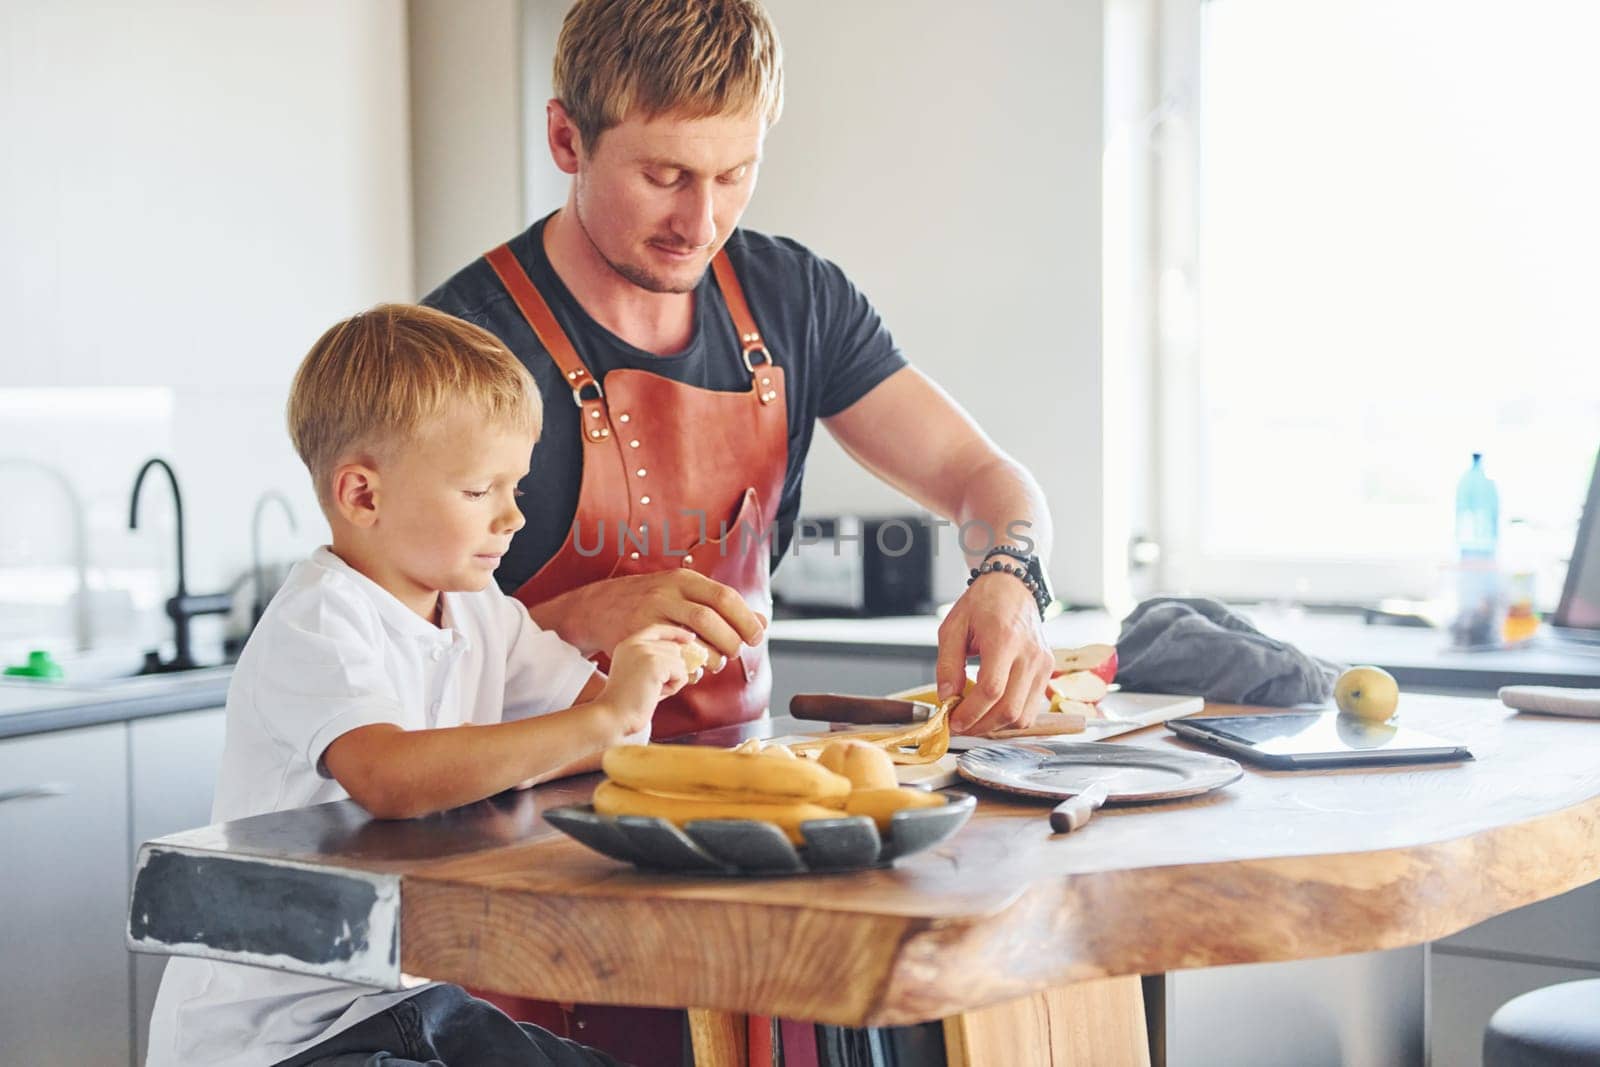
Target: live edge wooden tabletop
(1276,866)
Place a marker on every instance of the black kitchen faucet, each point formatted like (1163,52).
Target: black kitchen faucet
(183,606)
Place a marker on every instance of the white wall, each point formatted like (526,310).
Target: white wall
(466,131)
(189,194)
(948,156)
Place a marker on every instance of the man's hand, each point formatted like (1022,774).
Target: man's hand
(645,668)
(998,620)
(598,616)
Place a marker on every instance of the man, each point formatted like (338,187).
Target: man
(684,364)
(695,392)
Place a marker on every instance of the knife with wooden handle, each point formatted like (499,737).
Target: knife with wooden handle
(859,711)
(1073,812)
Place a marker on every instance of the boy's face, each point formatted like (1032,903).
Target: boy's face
(658,197)
(446,507)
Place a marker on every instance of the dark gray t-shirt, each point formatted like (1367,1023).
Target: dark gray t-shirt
(831,344)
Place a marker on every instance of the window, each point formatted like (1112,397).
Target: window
(1386,257)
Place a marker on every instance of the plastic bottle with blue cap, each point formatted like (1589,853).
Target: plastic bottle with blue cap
(1478,598)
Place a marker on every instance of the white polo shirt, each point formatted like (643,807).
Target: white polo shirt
(334,651)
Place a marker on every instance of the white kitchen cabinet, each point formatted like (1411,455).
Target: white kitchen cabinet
(1474,972)
(1362,1010)
(172,764)
(63,898)
(860,675)
(1465,991)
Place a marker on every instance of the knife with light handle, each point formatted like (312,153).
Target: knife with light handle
(1073,812)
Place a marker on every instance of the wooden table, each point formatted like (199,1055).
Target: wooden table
(1020,940)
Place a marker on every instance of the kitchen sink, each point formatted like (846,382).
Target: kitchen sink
(119,668)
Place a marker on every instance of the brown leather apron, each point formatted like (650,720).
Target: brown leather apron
(673,476)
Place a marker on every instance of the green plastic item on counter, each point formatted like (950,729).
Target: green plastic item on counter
(39,665)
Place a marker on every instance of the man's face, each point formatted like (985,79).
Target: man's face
(658,197)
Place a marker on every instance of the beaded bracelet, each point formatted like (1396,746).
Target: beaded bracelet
(1019,573)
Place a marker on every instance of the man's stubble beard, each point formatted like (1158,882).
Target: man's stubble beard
(636,275)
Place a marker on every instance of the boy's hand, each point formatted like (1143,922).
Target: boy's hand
(645,668)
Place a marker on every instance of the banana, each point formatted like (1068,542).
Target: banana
(721,774)
(881,804)
(867,766)
(695,656)
(613,799)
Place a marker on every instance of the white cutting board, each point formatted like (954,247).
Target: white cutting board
(1119,713)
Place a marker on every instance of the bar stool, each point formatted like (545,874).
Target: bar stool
(1557,1026)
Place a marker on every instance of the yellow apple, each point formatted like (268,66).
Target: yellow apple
(1367,693)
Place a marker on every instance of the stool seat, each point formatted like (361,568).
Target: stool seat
(1557,1026)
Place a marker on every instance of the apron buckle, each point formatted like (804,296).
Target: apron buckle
(751,347)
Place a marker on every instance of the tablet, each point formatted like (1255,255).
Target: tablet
(1317,739)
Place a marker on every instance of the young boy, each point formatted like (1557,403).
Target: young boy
(389,669)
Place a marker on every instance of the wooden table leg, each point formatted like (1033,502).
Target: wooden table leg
(719,1038)
(1100,1023)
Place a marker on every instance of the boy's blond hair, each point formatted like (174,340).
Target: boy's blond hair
(695,57)
(378,379)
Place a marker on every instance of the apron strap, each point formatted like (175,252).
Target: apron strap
(751,345)
(526,295)
(597,424)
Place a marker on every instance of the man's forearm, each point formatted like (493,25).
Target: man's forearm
(1002,504)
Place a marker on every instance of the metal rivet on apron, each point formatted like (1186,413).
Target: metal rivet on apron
(641,472)
(624,417)
(633,555)
(644,500)
(766,381)
(634,443)
(688,560)
(593,414)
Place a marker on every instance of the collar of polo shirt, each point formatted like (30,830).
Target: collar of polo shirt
(441,640)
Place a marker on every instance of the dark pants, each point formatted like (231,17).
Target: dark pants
(445,1027)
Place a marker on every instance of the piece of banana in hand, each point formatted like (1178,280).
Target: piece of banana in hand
(695,657)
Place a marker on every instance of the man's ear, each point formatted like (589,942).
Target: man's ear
(566,144)
(355,494)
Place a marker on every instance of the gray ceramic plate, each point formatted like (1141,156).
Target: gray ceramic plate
(1057,769)
(747,847)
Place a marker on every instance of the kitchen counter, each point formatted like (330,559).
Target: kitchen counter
(1418,658)
(29,706)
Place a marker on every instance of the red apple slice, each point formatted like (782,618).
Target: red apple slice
(1100,659)
(1085,686)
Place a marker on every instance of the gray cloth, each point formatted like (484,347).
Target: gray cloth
(1197,646)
